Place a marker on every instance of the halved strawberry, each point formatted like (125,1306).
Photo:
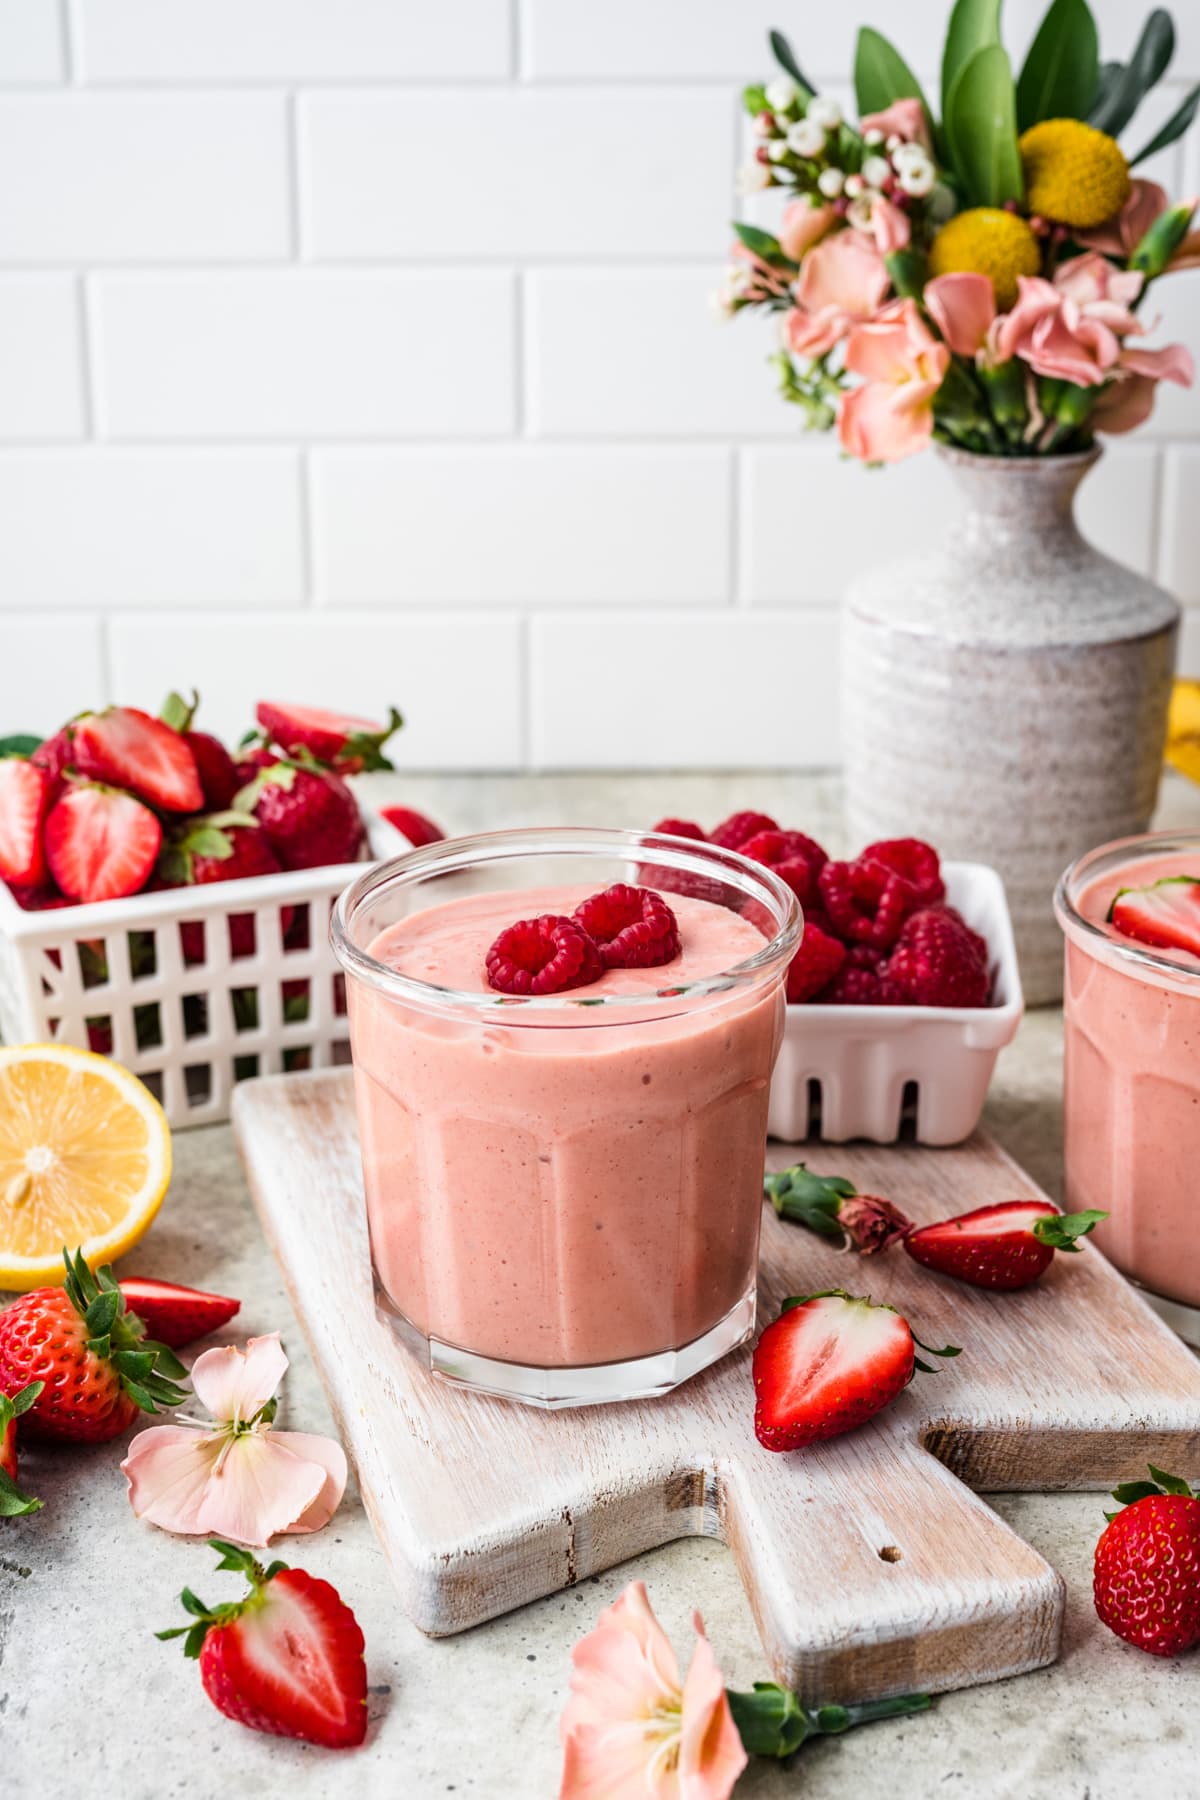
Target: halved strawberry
(344,742)
(175,1315)
(1166,914)
(413,825)
(1005,1246)
(100,844)
(828,1363)
(286,1659)
(216,768)
(129,749)
(13,1503)
(24,802)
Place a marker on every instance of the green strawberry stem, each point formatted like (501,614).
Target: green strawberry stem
(13,1503)
(149,1372)
(771,1720)
(1060,1230)
(811,1200)
(204,1618)
(1160,1482)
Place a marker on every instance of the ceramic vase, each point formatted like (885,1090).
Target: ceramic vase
(1005,694)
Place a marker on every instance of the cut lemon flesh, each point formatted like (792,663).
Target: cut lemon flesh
(85,1159)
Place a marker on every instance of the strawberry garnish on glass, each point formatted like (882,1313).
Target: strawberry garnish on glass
(13,1503)
(98,1366)
(1147,1566)
(286,1659)
(830,1362)
(1165,915)
(1003,1247)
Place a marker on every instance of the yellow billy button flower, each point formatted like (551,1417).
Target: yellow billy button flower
(1074,174)
(986,240)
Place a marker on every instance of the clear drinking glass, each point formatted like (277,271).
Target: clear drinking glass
(1132,1076)
(564,1192)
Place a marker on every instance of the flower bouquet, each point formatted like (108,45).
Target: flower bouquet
(977,278)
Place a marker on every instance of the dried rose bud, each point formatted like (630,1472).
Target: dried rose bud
(831,1206)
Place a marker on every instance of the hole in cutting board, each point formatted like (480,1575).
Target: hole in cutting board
(890,1553)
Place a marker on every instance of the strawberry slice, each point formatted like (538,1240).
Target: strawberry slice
(175,1315)
(829,1363)
(287,1659)
(13,1503)
(127,748)
(24,802)
(346,743)
(413,825)
(1006,1246)
(1166,914)
(101,844)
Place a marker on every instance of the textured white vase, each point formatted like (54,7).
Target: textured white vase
(1005,695)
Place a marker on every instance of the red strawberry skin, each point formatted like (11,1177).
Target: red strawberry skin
(129,749)
(825,1366)
(25,794)
(991,1247)
(1147,1574)
(1165,915)
(216,769)
(55,756)
(176,1315)
(337,739)
(292,1664)
(8,1450)
(414,825)
(308,816)
(43,1338)
(100,844)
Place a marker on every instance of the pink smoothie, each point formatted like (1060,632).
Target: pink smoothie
(571,1187)
(1132,1090)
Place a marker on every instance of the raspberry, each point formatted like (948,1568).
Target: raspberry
(866,903)
(857,987)
(681,881)
(795,858)
(865,956)
(740,827)
(936,963)
(631,927)
(681,828)
(814,965)
(980,943)
(916,863)
(543,956)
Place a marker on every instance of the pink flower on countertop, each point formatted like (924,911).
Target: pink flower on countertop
(963,307)
(902,365)
(803,226)
(235,1477)
(842,280)
(903,119)
(631,1730)
(1122,235)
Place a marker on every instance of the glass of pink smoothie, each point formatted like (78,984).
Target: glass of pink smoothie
(564,1191)
(1132,1076)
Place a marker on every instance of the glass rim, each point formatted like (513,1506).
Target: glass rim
(1088,933)
(686,855)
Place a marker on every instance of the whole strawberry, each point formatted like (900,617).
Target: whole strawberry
(228,846)
(1147,1570)
(214,765)
(287,1659)
(13,1503)
(97,1366)
(308,815)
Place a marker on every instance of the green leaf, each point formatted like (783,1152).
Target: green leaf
(1062,67)
(177,712)
(136,1364)
(1130,1492)
(1125,93)
(762,244)
(1060,1230)
(101,1315)
(982,127)
(28,1396)
(881,75)
(1174,128)
(781,50)
(13,1503)
(19,745)
(208,840)
(908,270)
(1170,1484)
(974,24)
(165,1360)
(754,99)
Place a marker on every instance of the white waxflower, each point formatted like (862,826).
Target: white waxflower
(859,213)
(830,182)
(854,186)
(739,278)
(777,149)
(873,137)
(753,177)
(764,125)
(782,93)
(806,137)
(917,179)
(876,170)
(824,111)
(894,141)
(905,154)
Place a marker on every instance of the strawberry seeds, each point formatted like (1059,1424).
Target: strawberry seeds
(621,928)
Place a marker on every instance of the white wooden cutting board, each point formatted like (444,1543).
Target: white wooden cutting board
(870,1564)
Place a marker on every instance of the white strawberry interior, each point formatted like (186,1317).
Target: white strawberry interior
(1001,1224)
(284,1642)
(1166,915)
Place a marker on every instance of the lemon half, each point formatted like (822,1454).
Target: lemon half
(85,1159)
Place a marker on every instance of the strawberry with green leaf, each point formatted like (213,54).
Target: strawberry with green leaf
(1147,1567)
(226,846)
(13,1503)
(339,740)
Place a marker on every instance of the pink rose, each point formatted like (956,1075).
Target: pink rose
(803,226)
(1058,336)
(903,118)
(841,281)
(902,365)
(963,308)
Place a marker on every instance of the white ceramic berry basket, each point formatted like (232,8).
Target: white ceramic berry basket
(113,977)
(886,1072)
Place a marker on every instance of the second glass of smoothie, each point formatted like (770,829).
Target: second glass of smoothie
(564,1191)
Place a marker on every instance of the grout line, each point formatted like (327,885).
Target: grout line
(736,486)
(525,690)
(307,530)
(292,149)
(106,662)
(451,82)
(518,35)
(88,366)
(520,359)
(67,28)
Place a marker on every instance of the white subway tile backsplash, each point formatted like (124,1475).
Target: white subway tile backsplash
(455,677)
(1172,316)
(1118,503)
(1179,569)
(304,354)
(545,173)
(118,178)
(120,528)
(47,674)
(640,352)
(291,40)
(521,525)
(31,47)
(41,374)
(722,690)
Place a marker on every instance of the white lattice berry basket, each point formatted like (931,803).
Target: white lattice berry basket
(154,981)
(889,1072)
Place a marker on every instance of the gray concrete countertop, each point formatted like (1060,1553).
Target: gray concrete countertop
(87,1697)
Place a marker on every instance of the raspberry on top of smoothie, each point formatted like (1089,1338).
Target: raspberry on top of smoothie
(622,928)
